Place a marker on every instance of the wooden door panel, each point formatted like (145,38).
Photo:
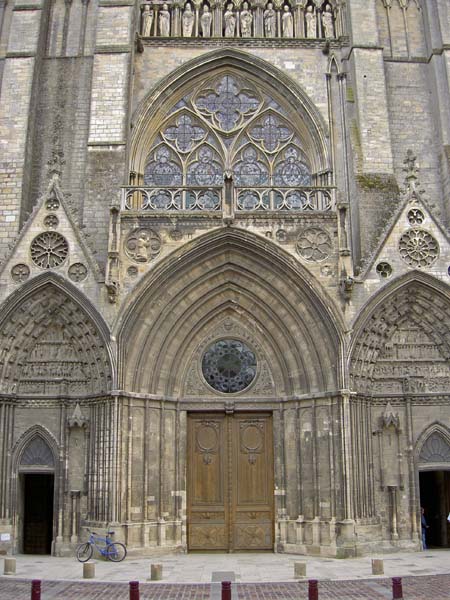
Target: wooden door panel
(207,481)
(230,482)
(252,510)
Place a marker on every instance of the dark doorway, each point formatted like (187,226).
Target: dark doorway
(435,499)
(38,513)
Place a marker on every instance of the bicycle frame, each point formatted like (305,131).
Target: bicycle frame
(95,539)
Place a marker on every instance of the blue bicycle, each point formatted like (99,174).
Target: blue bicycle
(115,551)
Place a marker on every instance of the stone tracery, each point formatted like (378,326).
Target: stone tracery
(229,123)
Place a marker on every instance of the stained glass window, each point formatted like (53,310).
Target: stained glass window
(229,366)
(228,123)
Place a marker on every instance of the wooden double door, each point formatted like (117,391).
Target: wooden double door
(230,482)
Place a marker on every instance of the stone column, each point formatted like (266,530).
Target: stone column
(75,510)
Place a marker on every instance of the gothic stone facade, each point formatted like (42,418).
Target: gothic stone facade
(225,307)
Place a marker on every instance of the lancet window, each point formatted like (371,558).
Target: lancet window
(228,127)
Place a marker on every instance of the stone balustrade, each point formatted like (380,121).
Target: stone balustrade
(305,199)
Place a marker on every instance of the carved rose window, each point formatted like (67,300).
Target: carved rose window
(49,250)
(229,366)
(418,248)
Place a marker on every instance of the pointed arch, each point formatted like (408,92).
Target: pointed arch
(46,450)
(152,110)
(432,451)
(417,298)
(45,315)
(229,272)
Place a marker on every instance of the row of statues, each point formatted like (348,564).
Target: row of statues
(157,21)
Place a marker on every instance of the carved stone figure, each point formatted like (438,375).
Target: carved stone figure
(188,21)
(327,22)
(246,21)
(287,23)
(164,21)
(230,21)
(147,21)
(269,21)
(205,21)
(311,23)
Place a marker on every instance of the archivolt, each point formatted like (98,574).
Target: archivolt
(236,274)
(41,307)
(417,298)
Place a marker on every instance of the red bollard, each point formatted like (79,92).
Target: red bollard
(226,590)
(397,590)
(134,590)
(313,589)
(36,589)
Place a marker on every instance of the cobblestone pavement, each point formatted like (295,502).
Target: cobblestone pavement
(435,587)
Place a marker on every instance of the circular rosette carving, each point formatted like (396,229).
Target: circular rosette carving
(314,244)
(52,203)
(143,245)
(78,272)
(49,250)
(415,216)
(20,273)
(229,366)
(51,221)
(418,248)
(384,270)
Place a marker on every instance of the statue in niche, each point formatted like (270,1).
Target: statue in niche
(164,21)
(205,21)
(246,21)
(287,23)
(327,22)
(147,21)
(188,21)
(311,23)
(230,21)
(269,21)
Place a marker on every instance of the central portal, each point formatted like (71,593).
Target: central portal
(230,482)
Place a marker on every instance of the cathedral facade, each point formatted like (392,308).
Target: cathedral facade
(224,279)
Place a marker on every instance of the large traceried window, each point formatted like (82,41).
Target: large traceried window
(230,127)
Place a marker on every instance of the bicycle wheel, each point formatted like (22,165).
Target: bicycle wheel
(84,552)
(116,551)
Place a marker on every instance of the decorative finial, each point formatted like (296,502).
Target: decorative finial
(56,163)
(390,418)
(411,170)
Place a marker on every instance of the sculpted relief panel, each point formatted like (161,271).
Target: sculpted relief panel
(311,19)
(49,346)
(412,355)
